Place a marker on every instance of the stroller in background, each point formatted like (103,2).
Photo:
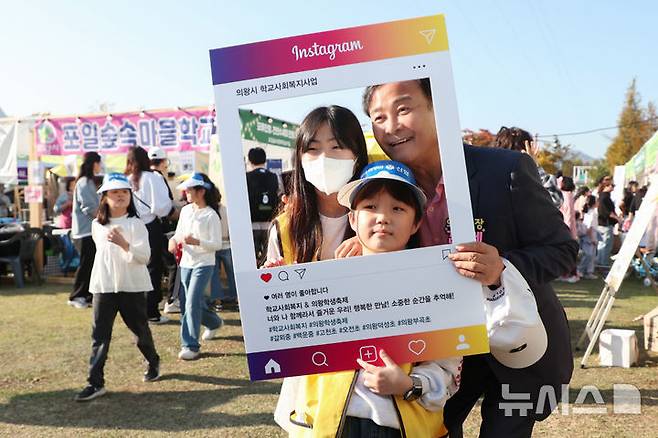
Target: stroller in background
(645,266)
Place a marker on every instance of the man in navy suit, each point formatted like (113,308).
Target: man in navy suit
(516,220)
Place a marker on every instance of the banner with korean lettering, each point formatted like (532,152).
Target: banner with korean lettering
(267,130)
(178,130)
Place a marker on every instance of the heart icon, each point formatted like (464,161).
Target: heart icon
(417,346)
(267,297)
(266,277)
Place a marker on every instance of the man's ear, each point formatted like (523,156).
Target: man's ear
(352,218)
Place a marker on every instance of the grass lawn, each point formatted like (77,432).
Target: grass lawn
(44,346)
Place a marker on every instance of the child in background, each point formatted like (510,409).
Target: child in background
(390,401)
(588,239)
(119,280)
(199,231)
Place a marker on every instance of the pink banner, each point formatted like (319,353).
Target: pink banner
(182,130)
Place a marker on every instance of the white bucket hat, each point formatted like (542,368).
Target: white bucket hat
(114,181)
(517,337)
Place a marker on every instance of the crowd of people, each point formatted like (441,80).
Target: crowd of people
(133,230)
(594,219)
(130,232)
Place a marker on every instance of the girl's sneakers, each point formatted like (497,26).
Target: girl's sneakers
(187,354)
(152,373)
(89,393)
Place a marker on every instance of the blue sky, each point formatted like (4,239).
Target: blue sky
(546,66)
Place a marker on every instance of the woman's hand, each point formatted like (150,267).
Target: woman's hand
(273,263)
(386,380)
(349,248)
(190,240)
(172,246)
(117,238)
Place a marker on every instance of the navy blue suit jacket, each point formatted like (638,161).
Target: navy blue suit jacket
(526,228)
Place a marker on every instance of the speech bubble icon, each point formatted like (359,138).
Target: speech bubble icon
(283,276)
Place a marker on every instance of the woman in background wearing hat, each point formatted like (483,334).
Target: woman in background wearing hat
(199,232)
(119,278)
(85,205)
(152,202)
(330,150)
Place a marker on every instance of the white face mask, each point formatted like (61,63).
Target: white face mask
(328,174)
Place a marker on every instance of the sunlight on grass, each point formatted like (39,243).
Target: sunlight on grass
(45,346)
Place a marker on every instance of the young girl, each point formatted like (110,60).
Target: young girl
(200,233)
(330,150)
(390,401)
(118,281)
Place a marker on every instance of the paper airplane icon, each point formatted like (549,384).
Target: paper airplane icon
(301,272)
(428,35)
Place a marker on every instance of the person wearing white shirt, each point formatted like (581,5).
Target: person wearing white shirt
(152,202)
(119,278)
(199,235)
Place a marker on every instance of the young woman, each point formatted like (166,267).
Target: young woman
(330,150)
(119,279)
(200,233)
(152,202)
(85,205)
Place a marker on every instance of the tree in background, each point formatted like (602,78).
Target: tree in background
(555,156)
(483,137)
(636,126)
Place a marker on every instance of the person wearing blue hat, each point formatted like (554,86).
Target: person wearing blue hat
(119,280)
(385,191)
(385,211)
(199,233)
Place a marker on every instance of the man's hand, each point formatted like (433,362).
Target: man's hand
(478,261)
(349,248)
(386,380)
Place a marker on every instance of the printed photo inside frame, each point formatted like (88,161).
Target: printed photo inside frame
(320,316)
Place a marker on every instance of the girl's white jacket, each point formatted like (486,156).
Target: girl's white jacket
(116,270)
(202,224)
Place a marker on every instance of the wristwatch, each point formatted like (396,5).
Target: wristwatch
(416,389)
